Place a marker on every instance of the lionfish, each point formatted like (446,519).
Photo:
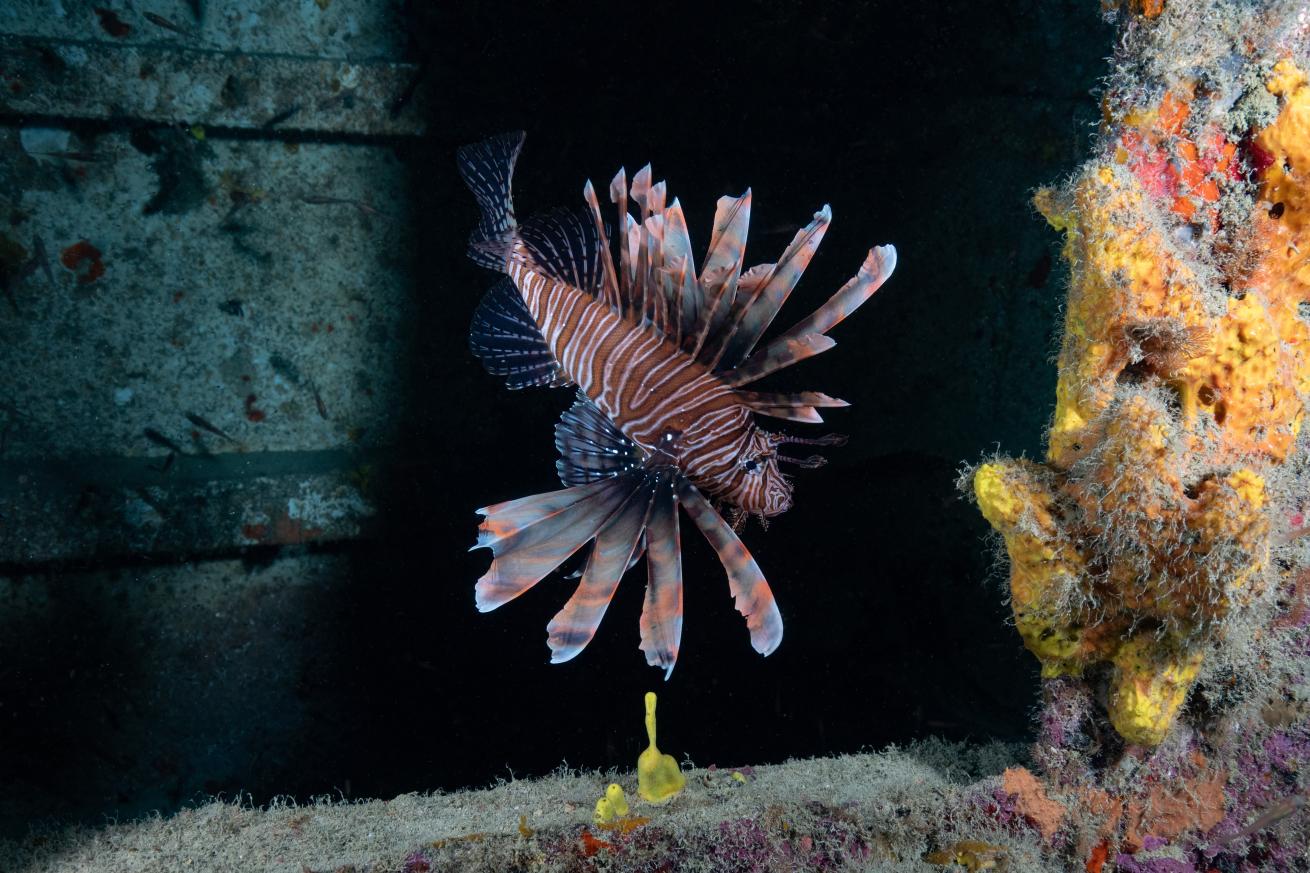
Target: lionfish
(660,356)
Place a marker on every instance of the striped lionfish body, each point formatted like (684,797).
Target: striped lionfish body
(660,355)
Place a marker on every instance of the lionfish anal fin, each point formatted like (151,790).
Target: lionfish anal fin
(505,338)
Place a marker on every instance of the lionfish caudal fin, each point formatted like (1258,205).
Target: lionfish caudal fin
(615,504)
(487,168)
(562,243)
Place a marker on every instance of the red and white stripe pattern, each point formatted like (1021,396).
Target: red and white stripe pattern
(658,395)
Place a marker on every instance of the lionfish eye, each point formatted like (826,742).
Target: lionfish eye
(750,465)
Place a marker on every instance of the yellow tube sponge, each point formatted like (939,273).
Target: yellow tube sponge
(658,776)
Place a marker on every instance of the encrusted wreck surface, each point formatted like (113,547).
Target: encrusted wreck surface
(1158,563)
(874,811)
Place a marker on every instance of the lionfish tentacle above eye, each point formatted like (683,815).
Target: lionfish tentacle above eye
(661,354)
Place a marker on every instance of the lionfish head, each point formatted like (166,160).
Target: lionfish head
(760,486)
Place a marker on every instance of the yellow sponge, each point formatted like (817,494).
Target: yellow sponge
(658,776)
(613,806)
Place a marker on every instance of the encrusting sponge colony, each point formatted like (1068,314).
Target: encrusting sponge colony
(1183,374)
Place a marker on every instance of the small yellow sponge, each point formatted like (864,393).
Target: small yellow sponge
(658,776)
(613,806)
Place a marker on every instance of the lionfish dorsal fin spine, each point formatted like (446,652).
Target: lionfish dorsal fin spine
(749,287)
(610,293)
(648,243)
(659,195)
(760,310)
(720,272)
(619,197)
(680,261)
(801,406)
(641,191)
(777,356)
(798,398)
(876,269)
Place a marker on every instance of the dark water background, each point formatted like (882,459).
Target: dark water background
(924,125)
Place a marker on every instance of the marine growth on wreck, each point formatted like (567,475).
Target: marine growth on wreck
(1156,555)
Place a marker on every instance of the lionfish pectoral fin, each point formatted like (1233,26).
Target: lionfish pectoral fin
(661,614)
(574,626)
(506,339)
(531,536)
(750,590)
(487,168)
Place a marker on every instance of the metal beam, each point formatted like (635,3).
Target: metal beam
(78,79)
